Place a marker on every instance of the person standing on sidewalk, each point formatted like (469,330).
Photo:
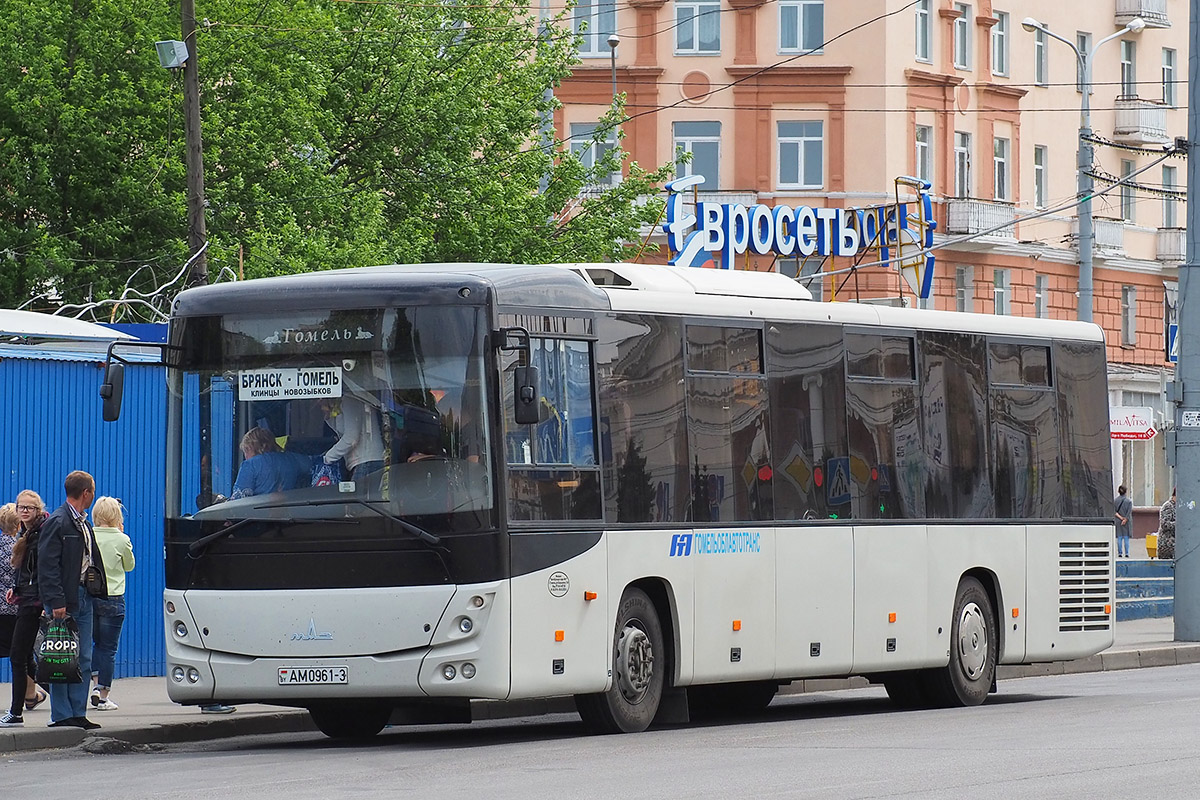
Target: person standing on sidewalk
(116,551)
(24,594)
(66,548)
(1124,516)
(1166,528)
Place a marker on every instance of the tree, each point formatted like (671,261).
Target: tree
(335,135)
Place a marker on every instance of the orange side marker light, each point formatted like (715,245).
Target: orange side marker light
(892,617)
(589,595)
(559,636)
(1016,613)
(737,624)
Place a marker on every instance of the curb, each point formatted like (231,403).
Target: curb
(297,721)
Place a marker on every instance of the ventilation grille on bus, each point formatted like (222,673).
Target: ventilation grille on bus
(1085,601)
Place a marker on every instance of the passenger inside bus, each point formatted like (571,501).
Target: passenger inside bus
(360,439)
(267,468)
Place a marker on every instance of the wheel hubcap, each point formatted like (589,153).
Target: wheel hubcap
(972,641)
(635,663)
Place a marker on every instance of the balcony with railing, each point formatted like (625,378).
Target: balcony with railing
(971,216)
(1172,244)
(1140,121)
(1154,12)
(1110,235)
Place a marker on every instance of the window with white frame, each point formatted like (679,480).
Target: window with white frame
(801,154)
(925,153)
(1041,296)
(1041,70)
(697,26)
(1000,44)
(807,271)
(962,36)
(594,21)
(1128,316)
(1128,68)
(1083,40)
(801,25)
(964,289)
(962,164)
(703,141)
(1001,295)
(1039,176)
(1168,77)
(1000,148)
(1127,195)
(924,30)
(590,147)
(1170,208)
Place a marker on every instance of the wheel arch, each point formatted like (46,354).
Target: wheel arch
(662,595)
(991,584)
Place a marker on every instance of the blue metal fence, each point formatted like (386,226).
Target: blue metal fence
(52,426)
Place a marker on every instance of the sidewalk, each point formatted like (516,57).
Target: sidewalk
(147,717)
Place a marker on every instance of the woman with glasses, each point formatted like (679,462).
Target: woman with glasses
(116,551)
(26,696)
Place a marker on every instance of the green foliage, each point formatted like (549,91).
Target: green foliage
(335,135)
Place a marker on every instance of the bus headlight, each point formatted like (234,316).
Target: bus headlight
(468,670)
(465,625)
(448,672)
(193,675)
(181,629)
(177,674)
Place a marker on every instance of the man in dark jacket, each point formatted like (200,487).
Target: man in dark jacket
(66,547)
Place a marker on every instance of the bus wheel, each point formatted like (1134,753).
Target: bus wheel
(973,643)
(639,658)
(351,721)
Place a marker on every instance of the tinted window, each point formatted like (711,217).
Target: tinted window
(1026,472)
(887,463)
(643,427)
(714,349)
(954,411)
(871,355)
(808,422)
(1081,373)
(1019,364)
(728,438)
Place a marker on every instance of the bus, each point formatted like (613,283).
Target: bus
(664,492)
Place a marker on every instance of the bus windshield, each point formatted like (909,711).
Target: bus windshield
(333,414)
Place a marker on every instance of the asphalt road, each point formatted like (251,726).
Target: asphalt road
(1121,735)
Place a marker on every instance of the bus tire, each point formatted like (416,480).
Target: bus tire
(725,700)
(638,667)
(350,722)
(968,678)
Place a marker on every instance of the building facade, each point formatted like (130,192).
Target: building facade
(823,103)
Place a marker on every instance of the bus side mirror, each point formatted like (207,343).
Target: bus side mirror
(525,395)
(112,389)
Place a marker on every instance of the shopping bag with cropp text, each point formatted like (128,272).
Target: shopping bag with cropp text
(57,651)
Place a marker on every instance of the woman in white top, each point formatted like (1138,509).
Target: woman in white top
(116,551)
(360,441)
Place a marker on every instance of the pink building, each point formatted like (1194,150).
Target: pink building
(824,103)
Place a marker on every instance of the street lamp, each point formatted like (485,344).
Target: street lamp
(1083,164)
(613,41)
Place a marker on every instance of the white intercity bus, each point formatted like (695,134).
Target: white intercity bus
(662,491)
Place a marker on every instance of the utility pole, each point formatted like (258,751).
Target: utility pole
(197,230)
(1187,375)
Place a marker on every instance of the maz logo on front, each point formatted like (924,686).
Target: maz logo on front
(312,635)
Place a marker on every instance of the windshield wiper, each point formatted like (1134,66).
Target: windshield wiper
(198,546)
(420,533)
(408,527)
(201,544)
